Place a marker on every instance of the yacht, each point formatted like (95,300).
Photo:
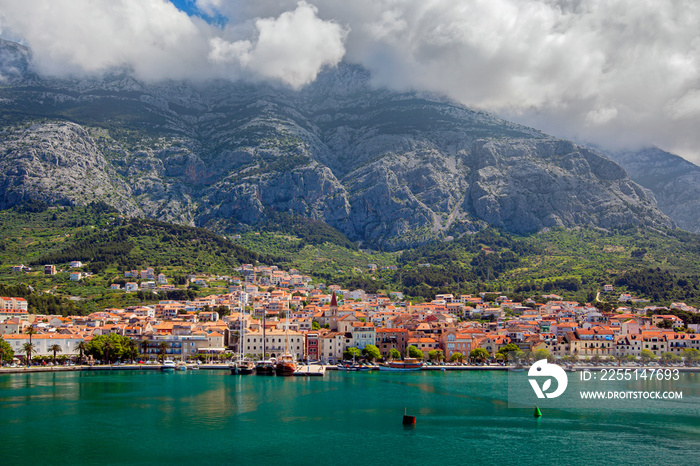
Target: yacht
(168,365)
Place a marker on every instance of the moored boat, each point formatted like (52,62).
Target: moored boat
(181,366)
(265,367)
(168,365)
(342,366)
(408,364)
(286,364)
(243,368)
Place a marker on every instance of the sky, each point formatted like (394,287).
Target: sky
(620,74)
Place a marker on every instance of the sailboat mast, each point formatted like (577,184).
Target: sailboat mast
(286,346)
(241,335)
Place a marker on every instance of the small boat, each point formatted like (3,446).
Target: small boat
(286,364)
(408,420)
(408,364)
(344,366)
(242,367)
(181,366)
(518,368)
(265,367)
(168,365)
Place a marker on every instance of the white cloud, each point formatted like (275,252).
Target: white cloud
(81,36)
(610,72)
(158,41)
(291,48)
(687,106)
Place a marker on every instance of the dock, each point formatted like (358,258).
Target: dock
(312,370)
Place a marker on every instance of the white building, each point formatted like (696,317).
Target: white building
(42,342)
(275,343)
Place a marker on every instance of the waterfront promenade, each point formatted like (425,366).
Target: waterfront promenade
(329,367)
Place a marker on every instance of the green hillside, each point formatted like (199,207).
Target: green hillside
(661,266)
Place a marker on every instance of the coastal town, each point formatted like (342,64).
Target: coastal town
(325,323)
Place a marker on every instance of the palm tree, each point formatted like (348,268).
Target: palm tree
(162,346)
(56,348)
(144,346)
(30,332)
(82,348)
(133,347)
(28,349)
(107,348)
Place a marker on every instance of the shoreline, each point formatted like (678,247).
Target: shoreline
(329,367)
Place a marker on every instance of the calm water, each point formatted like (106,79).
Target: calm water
(344,418)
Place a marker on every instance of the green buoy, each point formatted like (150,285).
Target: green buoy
(538,413)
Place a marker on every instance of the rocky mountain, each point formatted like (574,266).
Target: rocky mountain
(674,181)
(385,168)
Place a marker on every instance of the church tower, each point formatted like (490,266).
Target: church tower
(334,313)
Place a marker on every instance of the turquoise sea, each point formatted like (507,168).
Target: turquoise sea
(212,417)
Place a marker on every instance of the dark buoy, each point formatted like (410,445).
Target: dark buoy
(538,413)
(408,420)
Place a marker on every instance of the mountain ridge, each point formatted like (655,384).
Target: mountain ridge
(390,170)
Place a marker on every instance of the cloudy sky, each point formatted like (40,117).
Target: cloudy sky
(617,73)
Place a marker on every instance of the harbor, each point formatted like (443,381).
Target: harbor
(210,415)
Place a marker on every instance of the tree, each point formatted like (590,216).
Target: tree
(647,356)
(414,352)
(315,325)
(691,356)
(669,358)
(665,323)
(436,355)
(30,331)
(107,348)
(456,357)
(28,350)
(508,350)
(630,358)
(542,354)
(371,352)
(82,348)
(162,347)
(395,354)
(144,346)
(352,353)
(518,356)
(55,348)
(6,352)
(133,348)
(596,359)
(479,354)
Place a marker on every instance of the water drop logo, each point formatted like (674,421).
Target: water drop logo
(543,369)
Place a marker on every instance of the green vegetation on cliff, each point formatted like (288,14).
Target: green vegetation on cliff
(660,266)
